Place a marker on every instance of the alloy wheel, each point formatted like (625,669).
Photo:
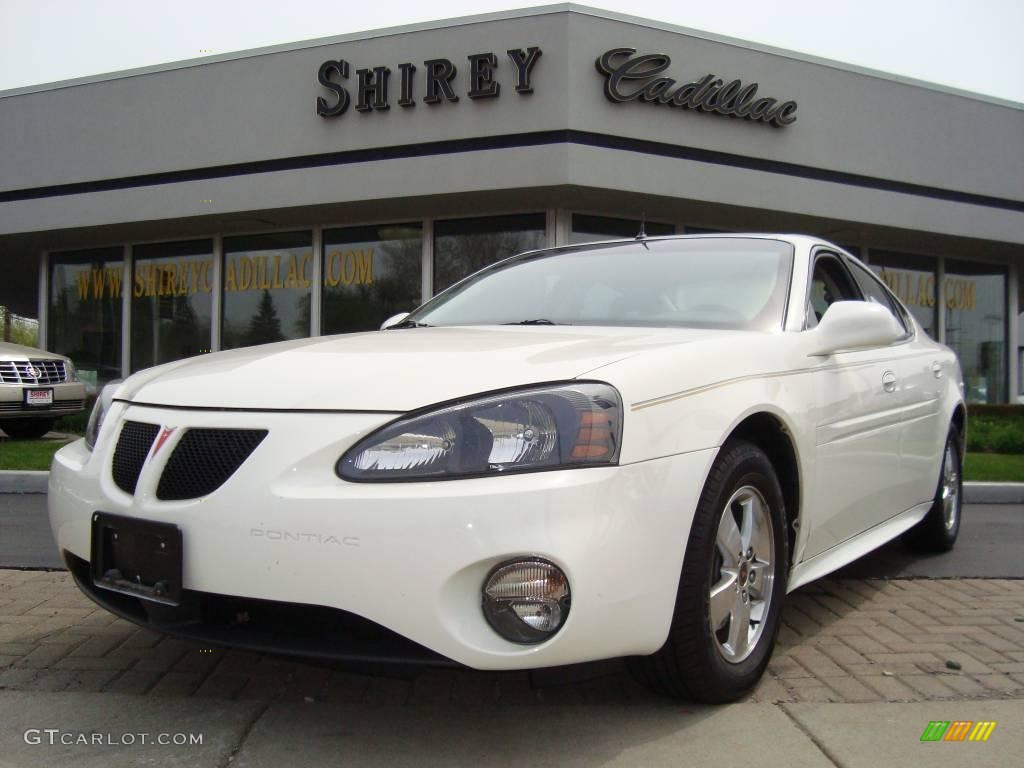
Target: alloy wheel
(950,488)
(743,574)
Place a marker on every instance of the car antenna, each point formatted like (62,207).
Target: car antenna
(642,234)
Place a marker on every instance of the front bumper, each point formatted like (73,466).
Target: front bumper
(410,557)
(68,398)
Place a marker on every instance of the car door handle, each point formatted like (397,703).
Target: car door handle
(936,369)
(889,381)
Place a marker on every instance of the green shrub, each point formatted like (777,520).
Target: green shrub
(995,429)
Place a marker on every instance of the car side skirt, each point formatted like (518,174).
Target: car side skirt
(842,554)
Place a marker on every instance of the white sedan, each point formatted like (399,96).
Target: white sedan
(631,449)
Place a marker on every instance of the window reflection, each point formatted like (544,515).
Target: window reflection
(172,301)
(462,246)
(587,228)
(913,279)
(974,299)
(1020,333)
(267,288)
(370,274)
(85,312)
(19,303)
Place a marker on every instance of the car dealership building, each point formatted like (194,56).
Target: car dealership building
(320,187)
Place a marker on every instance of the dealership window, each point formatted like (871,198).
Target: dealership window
(1020,333)
(912,278)
(172,301)
(462,246)
(19,303)
(974,299)
(84,318)
(587,228)
(268,281)
(706,231)
(370,274)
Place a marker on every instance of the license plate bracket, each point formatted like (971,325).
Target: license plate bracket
(35,398)
(141,558)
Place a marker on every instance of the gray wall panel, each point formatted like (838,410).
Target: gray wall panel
(689,180)
(424,176)
(846,121)
(263,107)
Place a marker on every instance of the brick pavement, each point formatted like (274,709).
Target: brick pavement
(842,641)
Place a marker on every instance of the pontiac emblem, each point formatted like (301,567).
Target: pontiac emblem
(162,438)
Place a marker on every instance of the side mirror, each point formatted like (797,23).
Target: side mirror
(393,320)
(854,325)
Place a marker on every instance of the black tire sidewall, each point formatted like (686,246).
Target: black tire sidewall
(739,464)
(948,535)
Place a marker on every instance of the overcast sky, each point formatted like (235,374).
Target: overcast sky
(971,44)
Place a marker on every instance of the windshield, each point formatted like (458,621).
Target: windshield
(723,282)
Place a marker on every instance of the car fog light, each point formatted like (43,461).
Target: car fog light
(526,601)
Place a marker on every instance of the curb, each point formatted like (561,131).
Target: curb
(12,481)
(23,481)
(994,493)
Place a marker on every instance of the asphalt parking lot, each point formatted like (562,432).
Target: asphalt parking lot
(872,653)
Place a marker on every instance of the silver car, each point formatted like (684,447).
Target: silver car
(36,388)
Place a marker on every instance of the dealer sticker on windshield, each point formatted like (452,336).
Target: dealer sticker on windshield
(38,397)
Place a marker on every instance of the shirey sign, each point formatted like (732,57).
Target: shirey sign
(628,77)
(257,272)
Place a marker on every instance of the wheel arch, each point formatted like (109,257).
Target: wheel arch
(959,422)
(770,433)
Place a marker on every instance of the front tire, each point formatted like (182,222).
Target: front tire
(938,530)
(732,584)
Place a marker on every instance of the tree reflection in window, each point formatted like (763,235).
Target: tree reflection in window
(172,301)
(974,300)
(85,311)
(369,274)
(463,246)
(267,284)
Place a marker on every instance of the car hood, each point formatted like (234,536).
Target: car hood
(397,370)
(10,351)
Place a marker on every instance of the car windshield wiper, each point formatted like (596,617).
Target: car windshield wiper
(410,324)
(538,321)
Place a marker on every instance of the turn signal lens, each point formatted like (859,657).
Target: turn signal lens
(526,601)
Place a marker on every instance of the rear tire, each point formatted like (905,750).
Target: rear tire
(26,429)
(938,530)
(733,581)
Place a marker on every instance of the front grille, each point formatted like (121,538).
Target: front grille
(22,372)
(58,405)
(130,454)
(204,459)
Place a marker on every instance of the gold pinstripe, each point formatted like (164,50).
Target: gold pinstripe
(662,399)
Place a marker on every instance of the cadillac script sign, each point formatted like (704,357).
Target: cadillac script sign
(629,77)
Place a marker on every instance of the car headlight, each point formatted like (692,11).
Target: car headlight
(70,372)
(99,412)
(548,427)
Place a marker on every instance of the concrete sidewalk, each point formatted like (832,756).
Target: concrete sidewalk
(646,734)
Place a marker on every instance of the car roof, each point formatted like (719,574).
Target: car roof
(807,241)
